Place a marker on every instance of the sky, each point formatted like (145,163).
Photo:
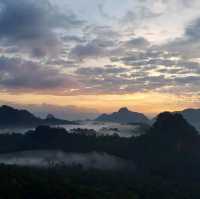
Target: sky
(98,56)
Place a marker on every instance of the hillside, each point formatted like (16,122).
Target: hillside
(11,117)
(124,116)
(192,116)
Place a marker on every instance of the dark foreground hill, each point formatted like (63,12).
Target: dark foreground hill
(171,145)
(10,117)
(124,116)
(192,116)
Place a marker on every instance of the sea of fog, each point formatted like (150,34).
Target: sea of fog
(101,128)
(49,158)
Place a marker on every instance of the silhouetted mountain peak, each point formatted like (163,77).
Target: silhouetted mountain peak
(50,116)
(11,117)
(168,118)
(124,116)
(123,110)
(6,107)
(10,109)
(192,116)
(173,123)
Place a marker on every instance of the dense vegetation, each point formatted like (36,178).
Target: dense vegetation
(81,141)
(76,183)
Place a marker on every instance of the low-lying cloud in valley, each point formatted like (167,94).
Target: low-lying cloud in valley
(93,160)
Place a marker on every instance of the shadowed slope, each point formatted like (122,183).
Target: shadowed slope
(123,116)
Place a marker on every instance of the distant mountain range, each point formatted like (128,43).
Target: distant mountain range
(124,116)
(170,146)
(11,117)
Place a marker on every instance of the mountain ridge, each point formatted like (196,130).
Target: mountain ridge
(123,116)
(192,115)
(11,117)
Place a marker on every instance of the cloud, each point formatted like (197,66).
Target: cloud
(192,30)
(103,13)
(20,75)
(95,42)
(190,40)
(137,43)
(106,43)
(100,71)
(118,80)
(73,38)
(104,58)
(93,49)
(143,11)
(31,26)
(152,69)
(93,160)
(187,3)
(86,51)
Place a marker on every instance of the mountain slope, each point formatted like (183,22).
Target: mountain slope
(172,143)
(192,116)
(123,116)
(11,117)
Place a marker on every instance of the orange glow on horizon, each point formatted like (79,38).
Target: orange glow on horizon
(148,103)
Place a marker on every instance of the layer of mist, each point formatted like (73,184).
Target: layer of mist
(101,128)
(92,160)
